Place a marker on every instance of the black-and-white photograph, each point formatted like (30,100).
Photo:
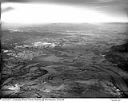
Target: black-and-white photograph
(64,49)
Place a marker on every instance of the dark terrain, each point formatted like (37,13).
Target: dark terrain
(65,61)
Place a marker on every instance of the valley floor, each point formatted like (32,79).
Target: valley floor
(74,64)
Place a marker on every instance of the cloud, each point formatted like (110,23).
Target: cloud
(28,13)
(65,1)
(78,2)
(110,6)
(7,9)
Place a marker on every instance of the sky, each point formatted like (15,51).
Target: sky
(64,11)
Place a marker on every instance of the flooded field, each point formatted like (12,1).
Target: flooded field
(65,61)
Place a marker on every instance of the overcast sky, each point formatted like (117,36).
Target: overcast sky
(116,7)
(112,7)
